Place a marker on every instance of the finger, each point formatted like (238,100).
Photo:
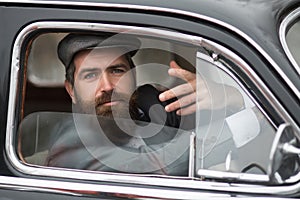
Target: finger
(174,65)
(182,74)
(176,71)
(177,91)
(187,110)
(181,102)
(199,105)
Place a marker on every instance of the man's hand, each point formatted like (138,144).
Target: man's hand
(211,95)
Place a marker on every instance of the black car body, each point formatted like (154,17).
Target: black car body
(255,42)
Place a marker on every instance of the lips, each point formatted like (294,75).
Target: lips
(110,99)
(103,102)
(107,103)
(104,99)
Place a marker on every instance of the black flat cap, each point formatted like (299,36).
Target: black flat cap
(76,42)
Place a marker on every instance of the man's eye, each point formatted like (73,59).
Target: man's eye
(90,75)
(118,71)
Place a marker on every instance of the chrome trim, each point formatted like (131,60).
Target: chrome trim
(29,187)
(92,190)
(282,36)
(98,190)
(192,155)
(232,175)
(183,182)
(175,11)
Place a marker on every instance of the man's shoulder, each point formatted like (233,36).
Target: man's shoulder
(63,131)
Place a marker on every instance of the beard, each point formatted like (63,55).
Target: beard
(108,116)
(126,107)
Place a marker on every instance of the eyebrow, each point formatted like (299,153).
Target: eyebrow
(94,69)
(118,66)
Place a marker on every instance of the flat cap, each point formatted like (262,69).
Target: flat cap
(76,42)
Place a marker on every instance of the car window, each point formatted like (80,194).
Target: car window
(235,139)
(138,104)
(55,132)
(293,41)
(289,36)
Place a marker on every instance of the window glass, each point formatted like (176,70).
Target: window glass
(44,69)
(108,110)
(134,104)
(236,138)
(293,41)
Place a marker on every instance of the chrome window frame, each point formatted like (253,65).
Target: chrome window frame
(168,181)
(283,29)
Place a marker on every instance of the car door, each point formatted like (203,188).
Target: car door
(218,152)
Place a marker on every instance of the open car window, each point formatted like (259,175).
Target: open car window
(55,133)
(216,124)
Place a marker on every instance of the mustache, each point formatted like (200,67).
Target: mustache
(111,96)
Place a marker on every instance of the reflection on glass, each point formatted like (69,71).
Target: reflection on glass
(136,110)
(293,41)
(81,141)
(232,139)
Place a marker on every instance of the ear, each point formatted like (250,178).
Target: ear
(70,90)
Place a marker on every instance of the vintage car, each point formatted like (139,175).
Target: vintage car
(250,46)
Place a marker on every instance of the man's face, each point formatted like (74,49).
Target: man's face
(103,83)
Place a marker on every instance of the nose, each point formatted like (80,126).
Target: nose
(105,84)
